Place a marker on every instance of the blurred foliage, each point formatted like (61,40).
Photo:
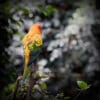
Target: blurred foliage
(9,88)
(47,10)
(60,96)
(76,59)
(43,86)
(5,39)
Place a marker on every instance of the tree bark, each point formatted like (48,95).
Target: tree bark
(32,81)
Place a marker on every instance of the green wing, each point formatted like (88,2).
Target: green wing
(35,51)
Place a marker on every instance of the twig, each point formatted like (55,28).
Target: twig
(16,88)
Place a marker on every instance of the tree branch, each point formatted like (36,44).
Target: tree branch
(32,81)
(16,87)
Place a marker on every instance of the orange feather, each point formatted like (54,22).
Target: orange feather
(33,36)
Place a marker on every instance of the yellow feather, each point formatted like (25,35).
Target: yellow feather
(33,36)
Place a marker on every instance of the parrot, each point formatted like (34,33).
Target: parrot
(32,43)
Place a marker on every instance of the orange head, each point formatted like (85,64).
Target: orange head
(36,28)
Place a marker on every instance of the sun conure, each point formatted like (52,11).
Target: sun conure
(32,43)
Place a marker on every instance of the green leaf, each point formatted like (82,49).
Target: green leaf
(19,23)
(25,10)
(40,6)
(10,88)
(48,10)
(36,74)
(33,90)
(60,95)
(43,86)
(82,85)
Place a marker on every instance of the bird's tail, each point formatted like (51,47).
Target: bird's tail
(26,67)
